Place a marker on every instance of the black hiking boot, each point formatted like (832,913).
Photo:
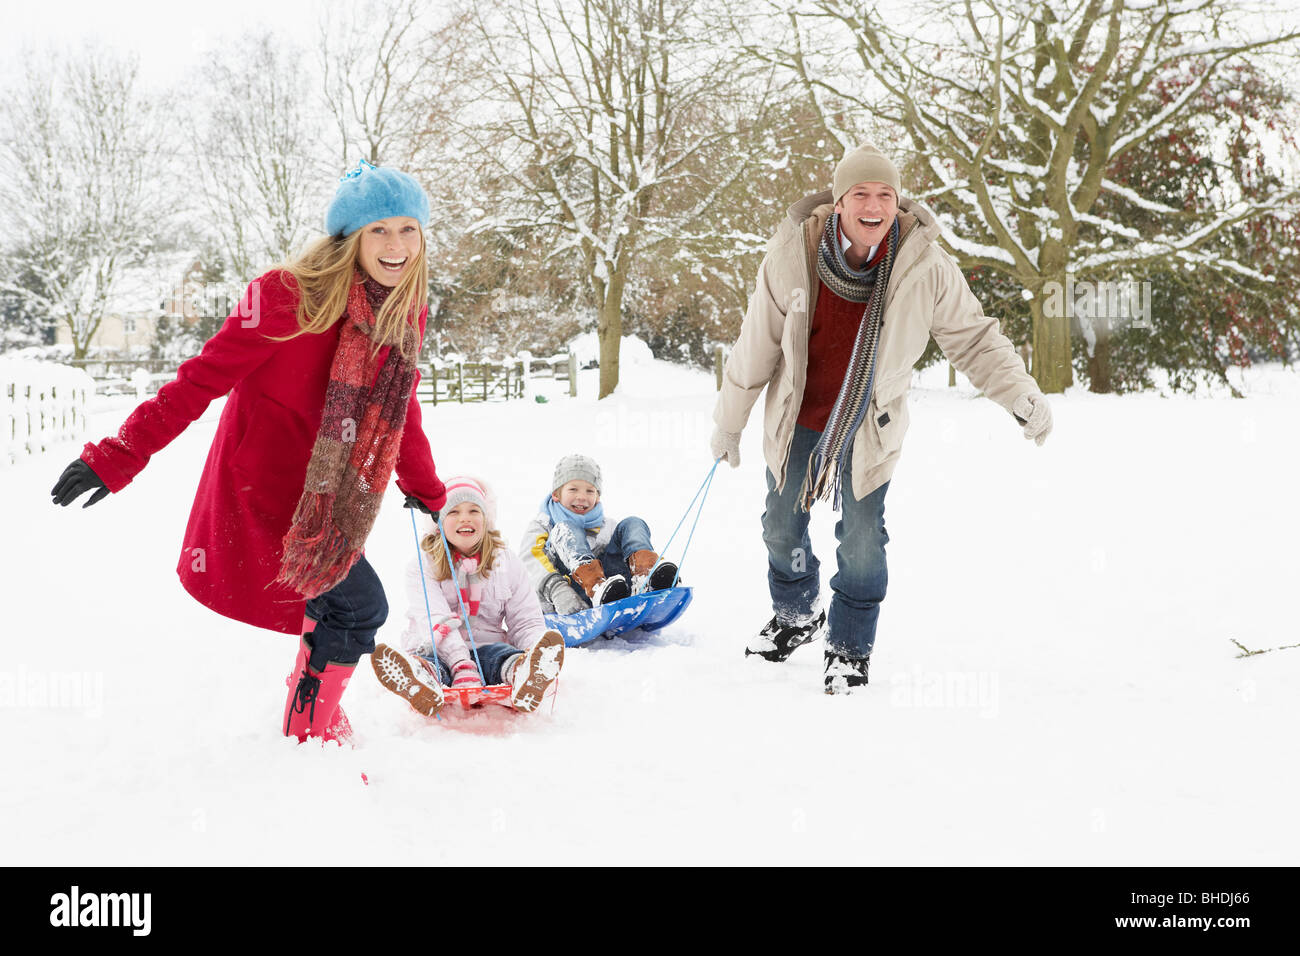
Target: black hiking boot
(777,641)
(845,673)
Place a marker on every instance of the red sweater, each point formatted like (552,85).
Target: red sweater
(255,470)
(835,325)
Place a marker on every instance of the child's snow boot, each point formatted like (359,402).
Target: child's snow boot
(778,640)
(591,578)
(845,673)
(312,709)
(409,677)
(532,672)
(649,574)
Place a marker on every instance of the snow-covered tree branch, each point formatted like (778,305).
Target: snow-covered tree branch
(1019,113)
(83,163)
(609,123)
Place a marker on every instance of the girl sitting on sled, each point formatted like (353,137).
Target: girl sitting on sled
(512,644)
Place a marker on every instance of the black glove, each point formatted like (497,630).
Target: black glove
(418,505)
(77,478)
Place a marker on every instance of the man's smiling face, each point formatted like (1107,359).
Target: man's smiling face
(867,212)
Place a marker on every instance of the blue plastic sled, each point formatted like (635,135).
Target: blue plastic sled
(649,612)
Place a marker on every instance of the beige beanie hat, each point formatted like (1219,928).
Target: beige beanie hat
(866,164)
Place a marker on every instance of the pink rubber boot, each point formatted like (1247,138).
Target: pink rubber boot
(313,705)
(340,727)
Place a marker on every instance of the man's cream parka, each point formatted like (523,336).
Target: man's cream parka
(927,296)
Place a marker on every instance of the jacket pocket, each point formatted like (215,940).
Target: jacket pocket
(269,465)
(889,421)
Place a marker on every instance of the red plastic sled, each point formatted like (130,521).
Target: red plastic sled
(472,697)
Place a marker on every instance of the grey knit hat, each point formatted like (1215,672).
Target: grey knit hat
(866,164)
(575,468)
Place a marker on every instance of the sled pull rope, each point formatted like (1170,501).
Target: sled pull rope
(704,490)
(455,583)
(428,615)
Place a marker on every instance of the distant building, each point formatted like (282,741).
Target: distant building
(168,287)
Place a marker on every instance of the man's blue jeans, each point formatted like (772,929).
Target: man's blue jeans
(792,569)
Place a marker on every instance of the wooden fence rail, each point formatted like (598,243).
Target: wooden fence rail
(35,412)
(492,381)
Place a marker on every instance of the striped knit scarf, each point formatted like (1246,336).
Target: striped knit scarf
(824,477)
(471,591)
(354,455)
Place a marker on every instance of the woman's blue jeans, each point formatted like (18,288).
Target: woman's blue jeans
(347,618)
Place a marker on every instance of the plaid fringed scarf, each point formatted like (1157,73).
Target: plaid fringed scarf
(354,455)
(824,477)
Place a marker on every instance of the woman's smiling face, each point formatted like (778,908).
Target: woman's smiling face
(390,247)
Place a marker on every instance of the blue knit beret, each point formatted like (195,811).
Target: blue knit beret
(369,193)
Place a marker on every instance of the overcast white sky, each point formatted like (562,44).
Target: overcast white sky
(168,36)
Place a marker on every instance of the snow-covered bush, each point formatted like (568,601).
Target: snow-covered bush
(632,350)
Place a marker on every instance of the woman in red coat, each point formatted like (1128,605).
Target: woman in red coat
(319,361)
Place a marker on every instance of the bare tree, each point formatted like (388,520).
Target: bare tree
(82,179)
(592,112)
(695,282)
(261,156)
(371,58)
(1018,110)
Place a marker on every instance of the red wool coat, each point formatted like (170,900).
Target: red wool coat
(255,470)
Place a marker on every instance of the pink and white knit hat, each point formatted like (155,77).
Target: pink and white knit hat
(464,488)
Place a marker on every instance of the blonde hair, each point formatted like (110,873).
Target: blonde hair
(324,273)
(486,551)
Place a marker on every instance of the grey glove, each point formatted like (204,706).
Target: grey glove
(557,589)
(1033,411)
(725,445)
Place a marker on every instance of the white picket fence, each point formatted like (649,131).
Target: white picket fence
(41,403)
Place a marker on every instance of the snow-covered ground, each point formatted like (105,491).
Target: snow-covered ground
(1055,678)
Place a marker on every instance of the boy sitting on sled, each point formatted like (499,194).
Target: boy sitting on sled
(578,558)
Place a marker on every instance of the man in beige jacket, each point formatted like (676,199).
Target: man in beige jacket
(852,286)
